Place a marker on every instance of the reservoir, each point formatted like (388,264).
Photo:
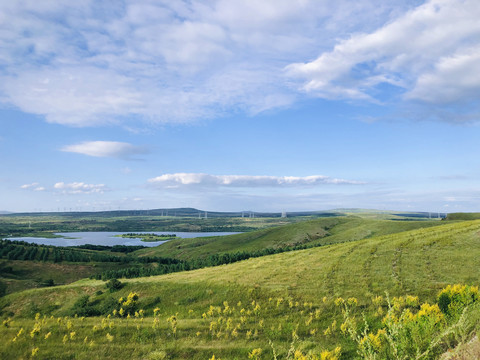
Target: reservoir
(110,238)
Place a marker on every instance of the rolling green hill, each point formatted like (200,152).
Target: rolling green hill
(313,232)
(463,216)
(65,265)
(419,261)
(286,293)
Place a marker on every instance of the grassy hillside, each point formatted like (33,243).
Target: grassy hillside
(419,261)
(64,265)
(283,296)
(463,216)
(317,231)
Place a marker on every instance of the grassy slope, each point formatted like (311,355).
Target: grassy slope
(463,216)
(418,262)
(20,275)
(318,231)
(324,230)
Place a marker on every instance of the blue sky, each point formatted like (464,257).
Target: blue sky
(240,105)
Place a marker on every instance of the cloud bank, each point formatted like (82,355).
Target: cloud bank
(195,179)
(105,149)
(176,62)
(429,55)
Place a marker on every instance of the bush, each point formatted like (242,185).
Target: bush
(114,285)
(107,305)
(3,288)
(454,298)
(48,282)
(83,307)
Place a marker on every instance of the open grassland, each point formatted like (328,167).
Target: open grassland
(463,216)
(71,264)
(419,261)
(300,300)
(320,231)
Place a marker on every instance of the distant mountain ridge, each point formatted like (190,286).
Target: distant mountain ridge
(198,213)
(180,212)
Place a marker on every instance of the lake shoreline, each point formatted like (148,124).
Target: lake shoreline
(108,238)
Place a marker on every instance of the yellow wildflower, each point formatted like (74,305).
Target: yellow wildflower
(255,354)
(34,352)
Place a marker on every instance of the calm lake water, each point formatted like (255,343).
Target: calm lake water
(109,239)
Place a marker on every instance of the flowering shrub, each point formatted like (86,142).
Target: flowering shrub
(454,298)
(128,305)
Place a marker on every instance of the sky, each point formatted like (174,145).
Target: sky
(221,105)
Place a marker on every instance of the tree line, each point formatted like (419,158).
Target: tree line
(21,250)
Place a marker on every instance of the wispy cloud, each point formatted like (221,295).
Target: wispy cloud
(430,55)
(195,179)
(29,186)
(106,149)
(33,186)
(80,188)
(108,62)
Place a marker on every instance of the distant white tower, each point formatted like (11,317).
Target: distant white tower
(284,214)
(206,215)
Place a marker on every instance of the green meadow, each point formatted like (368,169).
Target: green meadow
(321,231)
(365,288)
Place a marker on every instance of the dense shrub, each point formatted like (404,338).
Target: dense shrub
(454,298)
(114,285)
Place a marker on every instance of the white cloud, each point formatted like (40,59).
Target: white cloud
(80,188)
(429,53)
(105,149)
(29,186)
(454,78)
(73,95)
(109,62)
(195,179)
(33,186)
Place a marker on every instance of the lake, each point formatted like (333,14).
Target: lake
(109,239)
